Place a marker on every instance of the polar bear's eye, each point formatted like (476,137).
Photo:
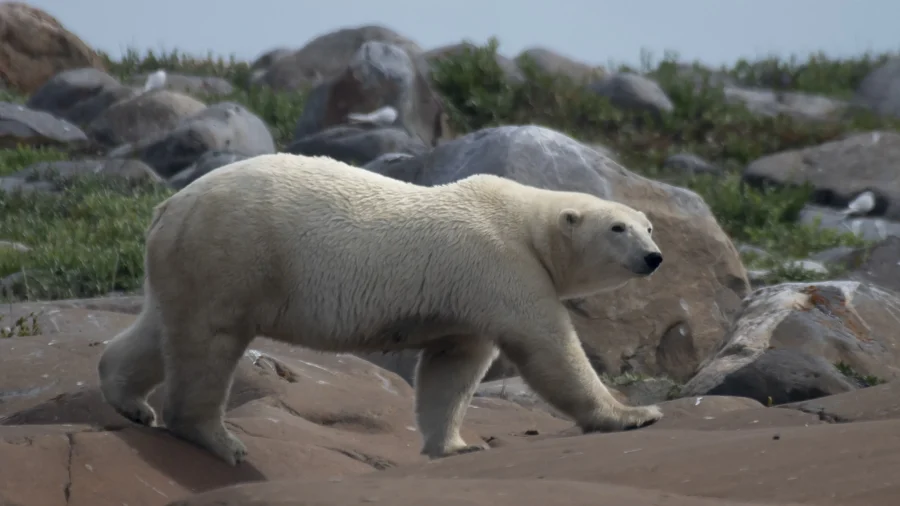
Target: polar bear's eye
(618,228)
(649,230)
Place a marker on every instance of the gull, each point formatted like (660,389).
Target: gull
(155,80)
(861,205)
(382,116)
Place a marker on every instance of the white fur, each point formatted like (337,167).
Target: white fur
(311,251)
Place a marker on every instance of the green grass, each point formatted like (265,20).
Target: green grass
(21,327)
(85,241)
(88,240)
(853,375)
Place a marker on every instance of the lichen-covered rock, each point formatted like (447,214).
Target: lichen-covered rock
(798,341)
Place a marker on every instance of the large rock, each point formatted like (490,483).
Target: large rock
(208,162)
(441,492)
(378,75)
(665,324)
(142,117)
(357,145)
(269,57)
(839,170)
(86,111)
(869,228)
(880,90)
(20,125)
(301,414)
(789,340)
(689,164)
(331,429)
(225,126)
(64,170)
(65,94)
(402,166)
(552,62)
(801,106)
(633,92)
(879,266)
(327,55)
(823,464)
(34,46)
(880,402)
(739,450)
(203,86)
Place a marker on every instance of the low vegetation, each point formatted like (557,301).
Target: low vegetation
(21,327)
(87,240)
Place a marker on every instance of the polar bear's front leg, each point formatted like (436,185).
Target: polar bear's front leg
(447,375)
(548,354)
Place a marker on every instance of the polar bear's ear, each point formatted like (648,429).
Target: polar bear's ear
(569,219)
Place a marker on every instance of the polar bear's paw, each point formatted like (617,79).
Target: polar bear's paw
(214,438)
(636,417)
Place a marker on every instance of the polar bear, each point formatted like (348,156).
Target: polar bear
(334,258)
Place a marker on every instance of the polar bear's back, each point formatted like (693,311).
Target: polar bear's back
(289,179)
(352,251)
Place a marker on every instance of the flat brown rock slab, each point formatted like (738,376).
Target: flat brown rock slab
(34,464)
(713,412)
(77,465)
(442,492)
(722,412)
(53,319)
(39,368)
(880,402)
(130,304)
(301,414)
(828,464)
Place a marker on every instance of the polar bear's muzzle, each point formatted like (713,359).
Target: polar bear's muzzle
(647,263)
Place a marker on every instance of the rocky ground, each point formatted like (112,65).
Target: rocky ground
(324,429)
(769,337)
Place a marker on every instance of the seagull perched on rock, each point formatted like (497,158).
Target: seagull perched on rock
(383,116)
(155,80)
(861,205)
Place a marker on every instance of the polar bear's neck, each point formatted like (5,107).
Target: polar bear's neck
(526,218)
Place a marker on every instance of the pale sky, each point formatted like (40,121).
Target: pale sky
(593,31)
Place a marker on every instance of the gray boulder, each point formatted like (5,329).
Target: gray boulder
(798,341)
(840,170)
(20,125)
(225,126)
(357,145)
(703,279)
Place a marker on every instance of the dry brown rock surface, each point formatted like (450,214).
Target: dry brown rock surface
(335,429)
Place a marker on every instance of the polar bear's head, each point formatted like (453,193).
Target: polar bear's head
(608,244)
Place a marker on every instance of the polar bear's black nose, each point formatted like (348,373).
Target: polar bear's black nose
(653,260)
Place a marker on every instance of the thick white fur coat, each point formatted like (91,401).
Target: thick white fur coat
(321,254)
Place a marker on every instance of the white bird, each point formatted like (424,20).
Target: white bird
(382,116)
(155,80)
(862,204)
